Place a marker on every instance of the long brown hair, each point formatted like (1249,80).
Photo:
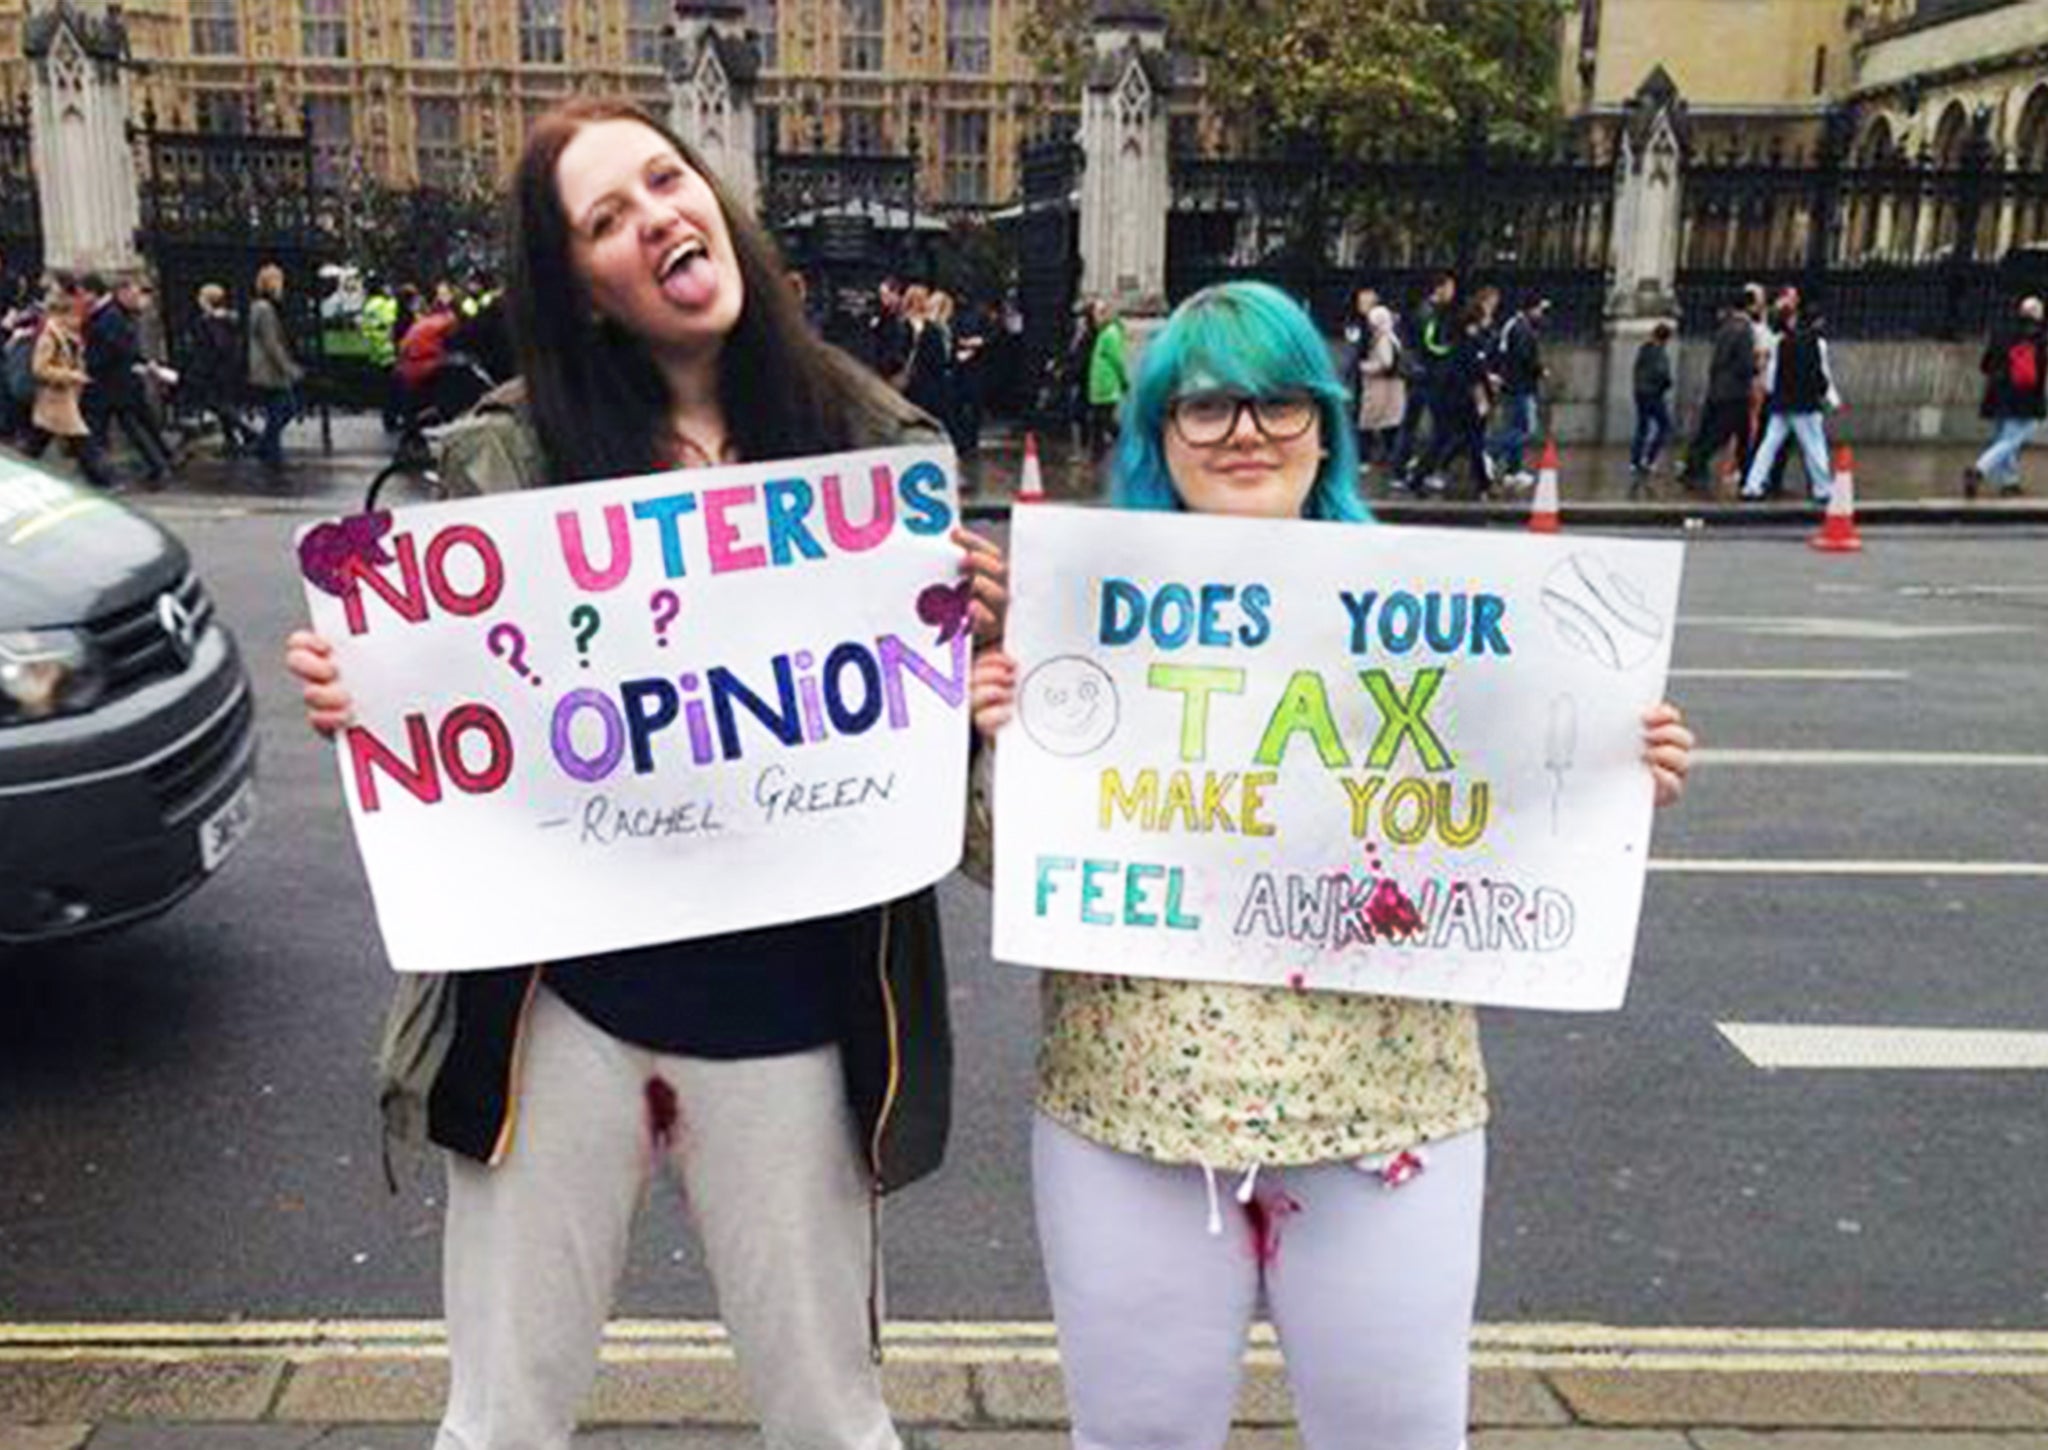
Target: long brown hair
(598,403)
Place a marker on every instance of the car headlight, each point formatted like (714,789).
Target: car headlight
(45,672)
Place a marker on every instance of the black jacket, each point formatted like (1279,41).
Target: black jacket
(2003,398)
(930,384)
(1652,370)
(897,1055)
(1801,383)
(213,367)
(113,347)
(1521,355)
(1732,371)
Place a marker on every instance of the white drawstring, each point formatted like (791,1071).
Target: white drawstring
(1246,1187)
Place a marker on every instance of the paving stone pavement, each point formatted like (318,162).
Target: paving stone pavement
(143,1435)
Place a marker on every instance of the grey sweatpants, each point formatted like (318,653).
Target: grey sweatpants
(1156,1270)
(764,1151)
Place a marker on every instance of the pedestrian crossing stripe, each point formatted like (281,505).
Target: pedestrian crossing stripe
(1737,866)
(1785,1045)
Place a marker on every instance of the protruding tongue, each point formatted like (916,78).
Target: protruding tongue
(692,284)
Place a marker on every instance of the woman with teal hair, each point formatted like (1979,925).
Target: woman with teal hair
(1237,340)
(1350,1125)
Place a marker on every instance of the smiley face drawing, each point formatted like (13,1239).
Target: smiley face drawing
(1068,706)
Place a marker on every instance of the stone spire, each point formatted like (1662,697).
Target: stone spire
(713,66)
(85,169)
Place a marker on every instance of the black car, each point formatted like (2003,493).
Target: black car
(127,748)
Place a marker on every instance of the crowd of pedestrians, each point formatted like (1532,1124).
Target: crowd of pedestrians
(433,352)
(959,361)
(86,359)
(1452,386)
(1449,394)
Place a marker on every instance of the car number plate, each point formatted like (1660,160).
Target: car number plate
(225,829)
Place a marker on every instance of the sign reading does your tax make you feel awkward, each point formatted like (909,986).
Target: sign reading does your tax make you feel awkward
(1330,756)
(623,713)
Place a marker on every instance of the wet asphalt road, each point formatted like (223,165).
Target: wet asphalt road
(186,1129)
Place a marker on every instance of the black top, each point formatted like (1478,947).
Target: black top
(1802,383)
(747,994)
(1733,369)
(891,343)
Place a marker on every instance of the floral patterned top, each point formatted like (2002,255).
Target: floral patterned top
(1231,1076)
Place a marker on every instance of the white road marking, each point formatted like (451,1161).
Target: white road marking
(1916,759)
(1969,591)
(1731,866)
(1776,1045)
(1935,591)
(1818,627)
(1828,676)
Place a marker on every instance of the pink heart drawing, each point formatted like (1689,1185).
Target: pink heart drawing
(328,549)
(944,607)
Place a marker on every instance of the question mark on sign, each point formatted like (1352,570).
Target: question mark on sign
(666,607)
(509,644)
(584,619)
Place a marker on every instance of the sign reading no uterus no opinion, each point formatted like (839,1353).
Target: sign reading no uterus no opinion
(1330,756)
(624,713)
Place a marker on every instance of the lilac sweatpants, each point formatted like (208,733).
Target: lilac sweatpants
(764,1150)
(1370,1289)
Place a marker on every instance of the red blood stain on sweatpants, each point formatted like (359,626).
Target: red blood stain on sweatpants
(1265,1215)
(662,1114)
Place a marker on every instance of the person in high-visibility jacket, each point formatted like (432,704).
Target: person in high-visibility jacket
(376,322)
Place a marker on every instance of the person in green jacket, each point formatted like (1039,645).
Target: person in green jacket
(376,322)
(1109,378)
(786,1076)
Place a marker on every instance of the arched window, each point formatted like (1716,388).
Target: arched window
(2030,159)
(1951,136)
(1876,152)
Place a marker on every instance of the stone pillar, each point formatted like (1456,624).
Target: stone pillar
(85,168)
(1644,245)
(713,65)
(1125,187)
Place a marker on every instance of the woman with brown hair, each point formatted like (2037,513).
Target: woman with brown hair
(58,366)
(274,374)
(787,1076)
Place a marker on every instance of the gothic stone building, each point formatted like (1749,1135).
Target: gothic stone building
(439,91)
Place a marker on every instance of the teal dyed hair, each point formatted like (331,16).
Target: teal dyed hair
(1252,338)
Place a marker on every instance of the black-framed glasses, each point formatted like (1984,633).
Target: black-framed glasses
(1207,419)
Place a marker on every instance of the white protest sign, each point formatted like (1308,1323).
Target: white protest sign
(616,714)
(1335,756)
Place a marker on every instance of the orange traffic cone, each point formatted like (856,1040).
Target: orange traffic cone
(1030,482)
(1543,512)
(1838,529)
